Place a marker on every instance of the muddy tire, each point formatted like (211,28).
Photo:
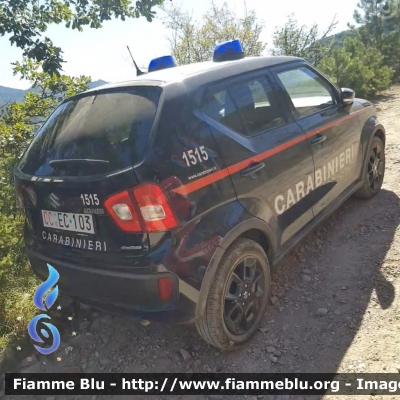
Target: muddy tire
(375,171)
(238,297)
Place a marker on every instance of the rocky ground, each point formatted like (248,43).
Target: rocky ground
(335,304)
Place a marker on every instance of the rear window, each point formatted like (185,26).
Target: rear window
(111,126)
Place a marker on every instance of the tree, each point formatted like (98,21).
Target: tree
(302,41)
(26,20)
(359,67)
(192,41)
(379,22)
(46,92)
(378,18)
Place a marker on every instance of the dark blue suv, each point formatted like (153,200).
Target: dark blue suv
(173,195)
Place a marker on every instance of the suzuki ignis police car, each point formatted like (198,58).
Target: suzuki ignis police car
(172,196)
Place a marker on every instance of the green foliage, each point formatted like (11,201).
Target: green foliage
(194,42)
(359,67)
(16,305)
(377,19)
(379,27)
(302,41)
(364,59)
(26,20)
(17,127)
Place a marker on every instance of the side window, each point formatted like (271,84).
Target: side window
(257,106)
(248,108)
(308,91)
(220,107)
(259,96)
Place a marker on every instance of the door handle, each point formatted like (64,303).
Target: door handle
(318,139)
(250,170)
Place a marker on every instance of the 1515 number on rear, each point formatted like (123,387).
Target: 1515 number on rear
(90,199)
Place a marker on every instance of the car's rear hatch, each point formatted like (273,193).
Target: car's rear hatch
(83,155)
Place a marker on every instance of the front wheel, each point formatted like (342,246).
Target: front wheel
(375,171)
(238,296)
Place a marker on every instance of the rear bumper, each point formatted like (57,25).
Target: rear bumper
(116,292)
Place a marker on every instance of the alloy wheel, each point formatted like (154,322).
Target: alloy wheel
(244,296)
(375,168)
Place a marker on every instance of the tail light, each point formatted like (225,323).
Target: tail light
(165,289)
(143,208)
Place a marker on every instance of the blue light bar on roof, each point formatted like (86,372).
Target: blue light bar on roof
(161,63)
(231,50)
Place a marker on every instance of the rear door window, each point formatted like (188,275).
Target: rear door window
(248,108)
(220,107)
(110,126)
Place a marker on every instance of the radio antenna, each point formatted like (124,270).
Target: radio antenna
(138,71)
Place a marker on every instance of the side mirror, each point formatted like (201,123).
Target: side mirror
(347,96)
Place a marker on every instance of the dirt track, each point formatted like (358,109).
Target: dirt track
(349,266)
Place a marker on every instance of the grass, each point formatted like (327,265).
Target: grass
(17,282)
(16,306)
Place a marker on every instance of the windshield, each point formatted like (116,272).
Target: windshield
(112,126)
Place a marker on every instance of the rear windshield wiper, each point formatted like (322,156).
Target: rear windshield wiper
(76,161)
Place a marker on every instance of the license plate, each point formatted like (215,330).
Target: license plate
(73,222)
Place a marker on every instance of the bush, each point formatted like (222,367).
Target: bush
(16,305)
(358,67)
(17,283)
